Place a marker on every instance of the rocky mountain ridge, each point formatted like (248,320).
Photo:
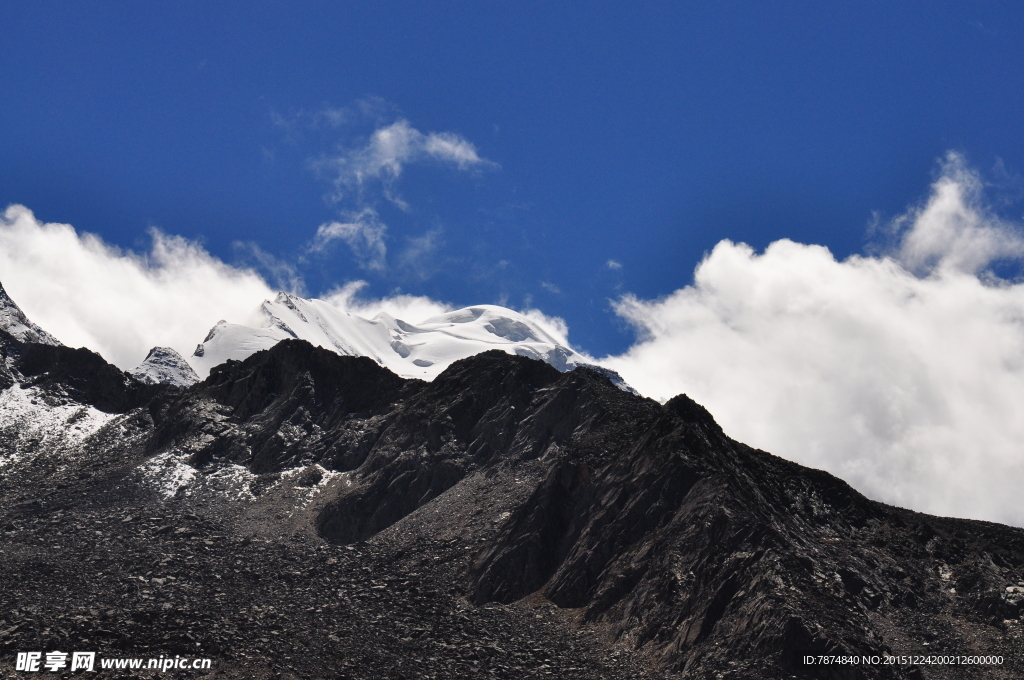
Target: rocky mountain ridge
(503,520)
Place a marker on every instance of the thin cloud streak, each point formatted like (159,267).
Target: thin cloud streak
(410,308)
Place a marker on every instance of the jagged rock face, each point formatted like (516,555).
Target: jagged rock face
(702,551)
(164,366)
(280,409)
(509,484)
(79,375)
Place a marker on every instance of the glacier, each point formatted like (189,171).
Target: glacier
(411,350)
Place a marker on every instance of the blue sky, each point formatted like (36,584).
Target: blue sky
(641,133)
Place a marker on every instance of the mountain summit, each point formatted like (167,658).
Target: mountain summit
(165,366)
(14,321)
(421,350)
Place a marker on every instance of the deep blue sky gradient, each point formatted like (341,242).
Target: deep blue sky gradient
(639,132)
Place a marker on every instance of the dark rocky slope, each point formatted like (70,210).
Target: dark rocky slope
(73,374)
(504,520)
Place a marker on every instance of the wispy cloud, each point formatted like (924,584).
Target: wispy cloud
(364,234)
(366,173)
(418,258)
(613,265)
(388,150)
(555,326)
(953,230)
(280,273)
(902,373)
(410,308)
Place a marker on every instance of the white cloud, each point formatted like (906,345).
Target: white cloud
(120,303)
(410,308)
(953,230)
(553,325)
(613,265)
(281,274)
(390,148)
(364,234)
(903,374)
(450,148)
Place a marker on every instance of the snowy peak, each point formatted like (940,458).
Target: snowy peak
(412,350)
(165,366)
(14,321)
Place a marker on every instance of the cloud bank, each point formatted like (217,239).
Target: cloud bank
(902,374)
(115,302)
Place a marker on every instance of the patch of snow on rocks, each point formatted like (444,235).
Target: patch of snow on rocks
(14,321)
(307,492)
(35,421)
(168,473)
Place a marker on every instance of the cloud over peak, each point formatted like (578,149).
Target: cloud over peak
(120,303)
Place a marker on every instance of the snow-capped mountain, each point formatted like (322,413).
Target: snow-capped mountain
(14,321)
(166,366)
(420,350)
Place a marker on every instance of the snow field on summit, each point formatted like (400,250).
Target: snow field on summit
(421,350)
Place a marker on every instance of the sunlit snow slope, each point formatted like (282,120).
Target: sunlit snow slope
(421,351)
